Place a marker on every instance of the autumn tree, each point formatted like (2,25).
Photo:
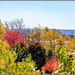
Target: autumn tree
(56,33)
(2,30)
(64,35)
(56,30)
(35,34)
(3,45)
(12,37)
(47,37)
(71,44)
(46,34)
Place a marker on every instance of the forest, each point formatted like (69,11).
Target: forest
(39,51)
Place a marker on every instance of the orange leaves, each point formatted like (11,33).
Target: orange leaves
(50,65)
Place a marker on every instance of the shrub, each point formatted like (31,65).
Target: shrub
(49,53)
(37,53)
(7,61)
(65,61)
(73,67)
(51,65)
(8,65)
(2,30)
(3,45)
(12,36)
(21,50)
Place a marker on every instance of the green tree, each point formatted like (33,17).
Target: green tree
(21,51)
(8,65)
(37,53)
(65,61)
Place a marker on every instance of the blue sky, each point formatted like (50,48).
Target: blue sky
(52,14)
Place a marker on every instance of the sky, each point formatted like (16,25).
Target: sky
(51,14)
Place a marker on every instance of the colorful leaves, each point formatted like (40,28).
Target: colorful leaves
(8,65)
(51,65)
(12,37)
(2,30)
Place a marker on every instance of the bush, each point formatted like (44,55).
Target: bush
(8,65)
(51,65)
(21,50)
(3,45)
(73,67)
(65,61)
(7,61)
(37,53)
(12,36)
(49,53)
(2,30)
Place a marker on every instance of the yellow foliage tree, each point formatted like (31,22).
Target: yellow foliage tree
(3,45)
(35,34)
(2,30)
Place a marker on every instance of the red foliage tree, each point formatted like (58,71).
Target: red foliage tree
(51,65)
(12,37)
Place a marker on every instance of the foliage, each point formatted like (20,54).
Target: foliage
(64,35)
(46,45)
(21,51)
(47,34)
(56,30)
(8,65)
(71,43)
(35,34)
(49,53)
(51,65)
(61,41)
(12,36)
(37,53)
(3,45)
(71,46)
(2,30)
(65,61)
(56,33)
(17,61)
(73,67)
